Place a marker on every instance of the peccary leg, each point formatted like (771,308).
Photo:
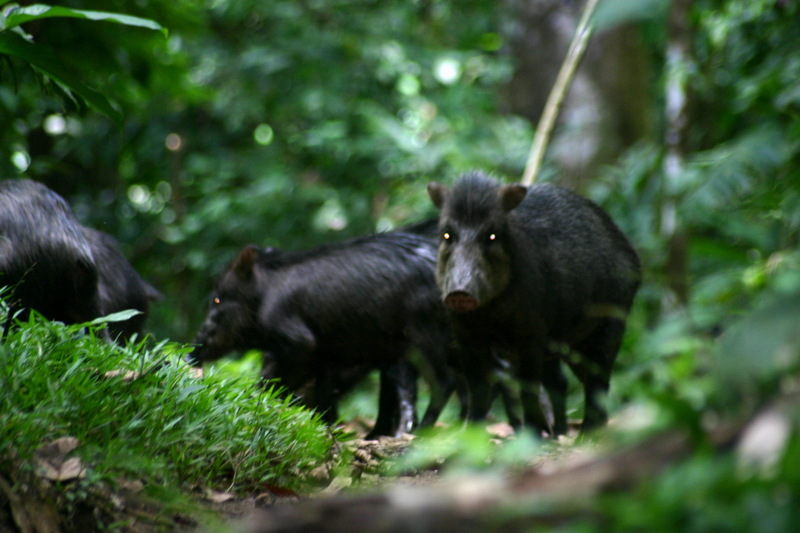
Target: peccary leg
(530,374)
(479,397)
(555,382)
(324,395)
(476,364)
(397,413)
(534,415)
(441,389)
(505,387)
(595,414)
(477,376)
(511,403)
(442,384)
(597,353)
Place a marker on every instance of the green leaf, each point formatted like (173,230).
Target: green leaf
(44,60)
(611,14)
(763,345)
(21,15)
(119,316)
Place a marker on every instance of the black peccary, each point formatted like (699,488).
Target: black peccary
(44,255)
(61,269)
(329,315)
(540,274)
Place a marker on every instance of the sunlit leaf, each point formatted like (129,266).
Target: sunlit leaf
(21,15)
(119,316)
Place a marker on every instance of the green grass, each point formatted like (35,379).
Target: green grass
(164,426)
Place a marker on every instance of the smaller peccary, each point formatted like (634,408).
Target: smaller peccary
(326,317)
(540,275)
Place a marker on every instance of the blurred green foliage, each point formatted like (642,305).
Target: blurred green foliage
(739,196)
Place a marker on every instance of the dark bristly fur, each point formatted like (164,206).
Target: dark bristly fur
(329,315)
(63,270)
(539,276)
(44,255)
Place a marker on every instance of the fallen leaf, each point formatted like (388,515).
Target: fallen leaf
(764,442)
(127,375)
(282,492)
(63,445)
(337,485)
(52,463)
(221,497)
(71,468)
(133,485)
(500,430)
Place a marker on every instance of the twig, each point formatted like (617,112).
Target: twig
(553,105)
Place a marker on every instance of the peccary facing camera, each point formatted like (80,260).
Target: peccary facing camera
(540,274)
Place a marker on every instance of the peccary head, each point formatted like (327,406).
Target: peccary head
(475,251)
(233,313)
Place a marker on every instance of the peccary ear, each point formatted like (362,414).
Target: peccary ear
(437,192)
(243,264)
(511,196)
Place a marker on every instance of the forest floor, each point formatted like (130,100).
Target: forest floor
(549,485)
(135,508)
(368,474)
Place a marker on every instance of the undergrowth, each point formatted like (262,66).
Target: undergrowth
(138,413)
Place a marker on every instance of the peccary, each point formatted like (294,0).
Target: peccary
(63,270)
(44,255)
(541,275)
(327,316)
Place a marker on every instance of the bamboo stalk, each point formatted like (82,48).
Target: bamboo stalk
(553,105)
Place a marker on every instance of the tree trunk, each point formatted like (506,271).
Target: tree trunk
(676,120)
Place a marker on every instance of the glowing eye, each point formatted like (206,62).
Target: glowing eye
(446,236)
(216,300)
(492,237)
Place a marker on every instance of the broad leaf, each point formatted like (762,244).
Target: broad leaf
(45,61)
(119,316)
(21,15)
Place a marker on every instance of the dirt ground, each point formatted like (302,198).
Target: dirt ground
(368,476)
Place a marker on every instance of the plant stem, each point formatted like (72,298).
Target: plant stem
(553,105)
